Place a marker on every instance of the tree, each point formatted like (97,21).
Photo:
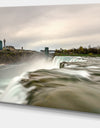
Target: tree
(81,50)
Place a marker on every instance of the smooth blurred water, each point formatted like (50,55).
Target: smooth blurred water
(40,82)
(10,75)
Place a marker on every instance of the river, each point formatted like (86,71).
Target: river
(41,82)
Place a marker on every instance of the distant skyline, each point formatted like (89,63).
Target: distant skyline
(65,26)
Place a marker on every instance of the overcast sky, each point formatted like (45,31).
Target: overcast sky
(65,26)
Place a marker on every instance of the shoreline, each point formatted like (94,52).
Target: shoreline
(82,55)
(13,57)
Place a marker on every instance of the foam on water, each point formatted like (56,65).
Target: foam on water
(58,59)
(16,93)
(2,64)
(92,67)
(81,73)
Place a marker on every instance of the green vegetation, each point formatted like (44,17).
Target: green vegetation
(9,57)
(93,52)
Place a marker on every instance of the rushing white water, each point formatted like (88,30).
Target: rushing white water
(11,89)
(80,73)
(15,92)
(59,59)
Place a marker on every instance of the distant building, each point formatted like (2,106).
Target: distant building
(0,45)
(22,48)
(4,43)
(10,48)
(46,51)
(49,51)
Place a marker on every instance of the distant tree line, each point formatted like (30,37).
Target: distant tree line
(90,51)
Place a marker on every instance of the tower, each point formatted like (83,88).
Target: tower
(46,51)
(0,45)
(4,43)
(22,48)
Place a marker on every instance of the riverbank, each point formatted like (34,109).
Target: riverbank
(81,51)
(85,55)
(12,57)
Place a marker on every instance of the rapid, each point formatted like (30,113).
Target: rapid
(41,82)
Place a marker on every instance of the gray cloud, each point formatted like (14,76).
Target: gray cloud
(54,26)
